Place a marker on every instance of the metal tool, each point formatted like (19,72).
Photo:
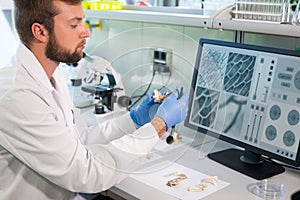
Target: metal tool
(170,138)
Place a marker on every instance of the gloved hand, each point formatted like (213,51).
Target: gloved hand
(145,111)
(173,110)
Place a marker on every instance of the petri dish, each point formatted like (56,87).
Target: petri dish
(268,189)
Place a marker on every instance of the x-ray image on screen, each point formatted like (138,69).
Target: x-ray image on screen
(248,95)
(239,71)
(224,80)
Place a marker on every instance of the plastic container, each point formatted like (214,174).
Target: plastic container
(276,11)
(102,5)
(267,189)
(296,16)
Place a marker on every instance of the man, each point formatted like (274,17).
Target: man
(44,153)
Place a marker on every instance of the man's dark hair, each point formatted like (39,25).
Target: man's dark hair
(28,12)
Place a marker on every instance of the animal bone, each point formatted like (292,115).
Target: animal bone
(175,182)
(158,97)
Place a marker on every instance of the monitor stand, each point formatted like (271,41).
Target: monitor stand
(247,162)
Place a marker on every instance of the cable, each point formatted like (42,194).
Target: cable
(281,164)
(160,89)
(142,95)
(164,86)
(147,89)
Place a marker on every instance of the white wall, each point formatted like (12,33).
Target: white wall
(8,41)
(6,4)
(129,47)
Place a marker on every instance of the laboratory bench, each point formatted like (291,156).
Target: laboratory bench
(187,155)
(191,153)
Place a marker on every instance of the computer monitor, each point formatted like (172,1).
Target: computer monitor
(249,96)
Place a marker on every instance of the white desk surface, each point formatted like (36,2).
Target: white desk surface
(187,156)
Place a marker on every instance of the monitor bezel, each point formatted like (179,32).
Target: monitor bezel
(238,143)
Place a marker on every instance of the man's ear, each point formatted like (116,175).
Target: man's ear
(39,32)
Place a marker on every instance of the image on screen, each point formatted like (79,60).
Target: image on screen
(248,95)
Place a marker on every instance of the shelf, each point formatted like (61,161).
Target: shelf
(220,20)
(258,27)
(175,18)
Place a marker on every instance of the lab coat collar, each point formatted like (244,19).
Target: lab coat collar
(36,71)
(33,67)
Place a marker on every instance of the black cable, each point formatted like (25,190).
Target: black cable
(160,89)
(142,95)
(289,166)
(147,89)
(281,164)
(169,78)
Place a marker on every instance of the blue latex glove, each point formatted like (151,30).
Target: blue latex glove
(145,111)
(173,110)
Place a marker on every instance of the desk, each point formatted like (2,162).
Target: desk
(237,190)
(188,156)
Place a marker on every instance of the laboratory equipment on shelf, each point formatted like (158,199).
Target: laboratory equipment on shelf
(102,5)
(296,16)
(275,11)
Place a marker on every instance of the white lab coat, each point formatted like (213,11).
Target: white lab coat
(43,155)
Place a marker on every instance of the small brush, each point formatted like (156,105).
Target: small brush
(170,138)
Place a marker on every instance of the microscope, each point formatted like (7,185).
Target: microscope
(104,91)
(101,81)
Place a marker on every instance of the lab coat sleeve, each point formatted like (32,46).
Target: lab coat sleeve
(99,133)
(105,131)
(32,132)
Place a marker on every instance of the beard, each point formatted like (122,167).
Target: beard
(58,53)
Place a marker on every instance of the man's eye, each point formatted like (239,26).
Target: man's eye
(74,25)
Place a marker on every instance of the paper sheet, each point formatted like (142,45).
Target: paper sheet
(158,180)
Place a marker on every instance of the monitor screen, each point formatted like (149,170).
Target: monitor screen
(249,96)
